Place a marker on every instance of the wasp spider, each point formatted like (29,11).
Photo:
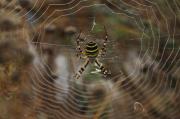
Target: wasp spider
(91,53)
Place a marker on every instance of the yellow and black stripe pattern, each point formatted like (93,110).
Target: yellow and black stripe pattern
(91,50)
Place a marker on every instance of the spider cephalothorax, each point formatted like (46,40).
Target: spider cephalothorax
(91,53)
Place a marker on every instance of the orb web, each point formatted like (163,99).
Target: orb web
(142,55)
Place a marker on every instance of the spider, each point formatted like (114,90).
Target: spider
(91,53)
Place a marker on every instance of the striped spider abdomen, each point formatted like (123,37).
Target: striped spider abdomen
(91,50)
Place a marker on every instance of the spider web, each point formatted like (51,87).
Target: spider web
(142,54)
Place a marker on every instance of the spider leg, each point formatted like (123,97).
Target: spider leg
(79,49)
(82,69)
(103,49)
(102,68)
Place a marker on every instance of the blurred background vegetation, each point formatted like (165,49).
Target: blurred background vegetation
(38,59)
